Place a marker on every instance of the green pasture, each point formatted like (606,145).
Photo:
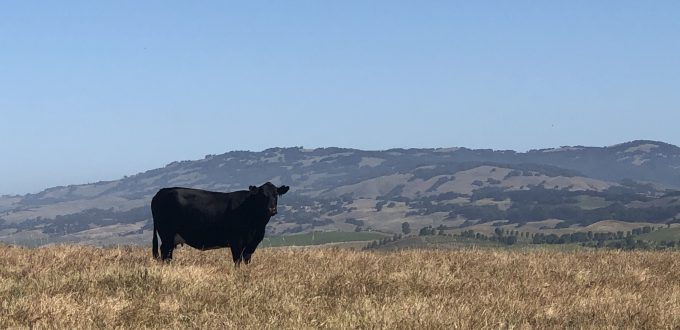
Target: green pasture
(317,238)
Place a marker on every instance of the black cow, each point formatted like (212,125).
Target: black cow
(209,220)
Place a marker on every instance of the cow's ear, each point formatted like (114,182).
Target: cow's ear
(253,189)
(282,190)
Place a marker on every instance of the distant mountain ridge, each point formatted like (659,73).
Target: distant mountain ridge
(640,160)
(350,189)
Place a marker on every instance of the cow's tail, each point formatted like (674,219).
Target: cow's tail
(154,247)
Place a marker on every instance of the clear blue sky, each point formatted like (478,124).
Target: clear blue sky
(94,90)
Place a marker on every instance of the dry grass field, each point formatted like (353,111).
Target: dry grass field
(88,287)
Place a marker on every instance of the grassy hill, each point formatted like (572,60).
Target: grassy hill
(294,288)
(339,189)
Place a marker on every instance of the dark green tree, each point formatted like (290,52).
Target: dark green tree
(405,228)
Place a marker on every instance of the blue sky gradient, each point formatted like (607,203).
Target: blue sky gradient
(93,91)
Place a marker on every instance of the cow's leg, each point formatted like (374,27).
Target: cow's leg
(237,252)
(246,257)
(166,252)
(248,252)
(251,245)
(167,245)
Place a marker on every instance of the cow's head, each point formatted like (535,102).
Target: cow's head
(269,192)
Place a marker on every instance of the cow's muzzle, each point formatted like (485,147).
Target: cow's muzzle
(272,211)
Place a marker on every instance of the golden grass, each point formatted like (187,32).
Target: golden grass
(88,287)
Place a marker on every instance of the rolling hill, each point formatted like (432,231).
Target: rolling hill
(356,190)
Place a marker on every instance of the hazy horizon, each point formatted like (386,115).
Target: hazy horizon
(96,91)
(38,189)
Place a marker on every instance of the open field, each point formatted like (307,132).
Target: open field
(87,287)
(590,203)
(318,238)
(457,242)
(665,234)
